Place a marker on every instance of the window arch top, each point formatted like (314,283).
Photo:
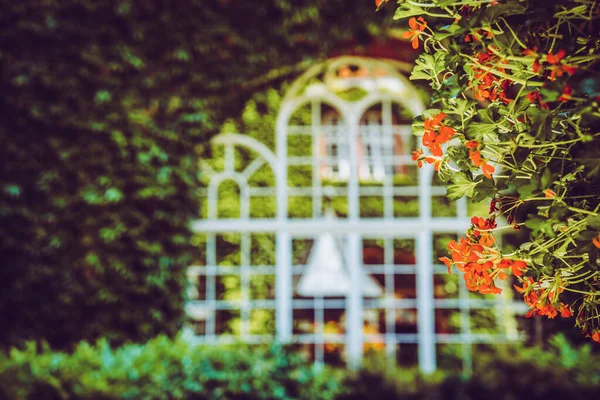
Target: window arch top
(351,84)
(251,165)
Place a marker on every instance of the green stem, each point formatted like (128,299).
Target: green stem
(492,71)
(431,5)
(583,277)
(513,33)
(575,209)
(553,144)
(581,291)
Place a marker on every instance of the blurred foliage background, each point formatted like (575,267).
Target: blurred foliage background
(102,104)
(106,106)
(174,369)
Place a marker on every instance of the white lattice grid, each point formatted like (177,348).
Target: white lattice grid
(421,228)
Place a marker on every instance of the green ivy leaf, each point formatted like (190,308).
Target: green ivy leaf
(429,67)
(593,221)
(484,189)
(12,190)
(407,10)
(502,10)
(461,185)
(541,123)
(539,224)
(485,129)
(449,31)
(113,195)
(546,178)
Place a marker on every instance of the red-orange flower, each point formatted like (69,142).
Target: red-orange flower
(477,36)
(416,27)
(486,85)
(535,97)
(543,301)
(596,241)
(468,255)
(434,122)
(445,133)
(555,59)
(533,53)
(517,267)
(416,154)
(487,170)
(566,94)
(436,161)
(447,262)
(565,312)
(475,157)
(596,336)
(430,139)
(480,223)
(549,194)
(559,68)
(435,134)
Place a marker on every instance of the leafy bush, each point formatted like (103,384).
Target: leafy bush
(514,118)
(174,369)
(510,371)
(162,369)
(519,372)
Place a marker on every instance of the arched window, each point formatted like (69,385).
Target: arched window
(334,146)
(337,241)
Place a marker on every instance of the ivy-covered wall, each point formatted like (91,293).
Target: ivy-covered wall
(102,104)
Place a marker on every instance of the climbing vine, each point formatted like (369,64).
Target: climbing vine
(514,119)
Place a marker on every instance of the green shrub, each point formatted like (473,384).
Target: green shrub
(174,369)
(561,371)
(163,369)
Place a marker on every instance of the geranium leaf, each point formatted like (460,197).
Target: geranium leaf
(461,185)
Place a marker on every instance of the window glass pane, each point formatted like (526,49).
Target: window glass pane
(407,354)
(447,320)
(262,322)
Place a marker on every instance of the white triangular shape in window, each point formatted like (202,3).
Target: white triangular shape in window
(326,274)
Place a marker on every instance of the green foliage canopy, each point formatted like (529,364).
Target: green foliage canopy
(516,100)
(102,104)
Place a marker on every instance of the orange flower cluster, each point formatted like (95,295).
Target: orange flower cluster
(536,66)
(477,36)
(486,85)
(477,161)
(559,69)
(542,301)
(479,260)
(417,25)
(436,134)
(417,155)
(535,97)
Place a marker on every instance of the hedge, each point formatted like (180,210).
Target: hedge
(175,369)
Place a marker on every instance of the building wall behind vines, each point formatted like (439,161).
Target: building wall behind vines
(102,105)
